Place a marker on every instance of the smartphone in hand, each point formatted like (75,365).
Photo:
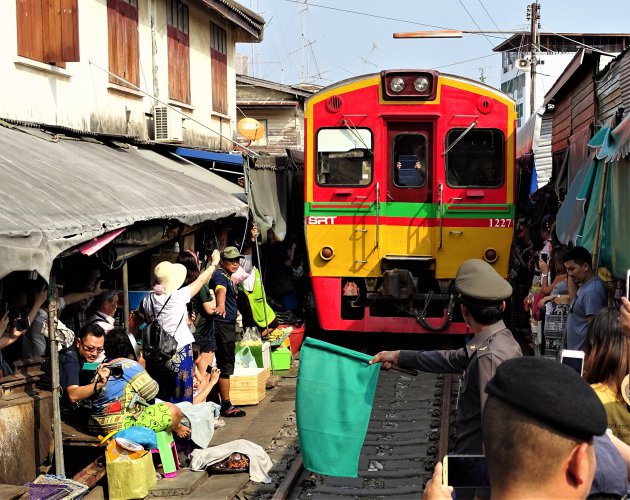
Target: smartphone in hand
(628,284)
(465,471)
(573,359)
(22,324)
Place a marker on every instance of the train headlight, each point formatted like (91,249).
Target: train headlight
(397,84)
(490,255)
(421,84)
(327,253)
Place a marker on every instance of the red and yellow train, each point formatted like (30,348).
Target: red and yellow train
(407,174)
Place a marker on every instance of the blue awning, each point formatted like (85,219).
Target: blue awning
(199,154)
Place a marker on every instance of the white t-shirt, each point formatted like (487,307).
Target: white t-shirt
(174,313)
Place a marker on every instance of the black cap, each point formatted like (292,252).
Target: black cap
(551,393)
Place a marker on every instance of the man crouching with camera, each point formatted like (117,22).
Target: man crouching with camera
(123,400)
(78,381)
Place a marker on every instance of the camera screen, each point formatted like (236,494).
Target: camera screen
(467,471)
(575,363)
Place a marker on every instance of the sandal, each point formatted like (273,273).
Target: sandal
(233,411)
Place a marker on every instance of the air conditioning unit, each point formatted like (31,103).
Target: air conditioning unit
(168,125)
(523,64)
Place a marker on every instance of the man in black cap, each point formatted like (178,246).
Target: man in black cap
(225,325)
(482,294)
(539,423)
(543,427)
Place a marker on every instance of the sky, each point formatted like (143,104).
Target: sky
(325,41)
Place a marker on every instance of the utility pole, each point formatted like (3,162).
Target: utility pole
(533,14)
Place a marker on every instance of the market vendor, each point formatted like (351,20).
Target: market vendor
(253,305)
(252,298)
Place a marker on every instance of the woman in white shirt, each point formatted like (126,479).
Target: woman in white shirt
(168,303)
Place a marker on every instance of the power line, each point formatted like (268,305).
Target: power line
(465,61)
(376,16)
(475,22)
(488,13)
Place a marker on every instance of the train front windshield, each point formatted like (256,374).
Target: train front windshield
(344,157)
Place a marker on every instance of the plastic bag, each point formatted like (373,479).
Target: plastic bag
(245,359)
(251,333)
(141,435)
(129,474)
(251,337)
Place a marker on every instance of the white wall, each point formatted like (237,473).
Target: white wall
(547,73)
(80,96)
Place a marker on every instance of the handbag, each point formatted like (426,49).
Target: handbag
(159,345)
(129,474)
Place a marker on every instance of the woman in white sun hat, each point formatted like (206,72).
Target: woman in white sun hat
(167,302)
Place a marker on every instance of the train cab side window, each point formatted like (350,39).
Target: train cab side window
(345,157)
(410,160)
(477,160)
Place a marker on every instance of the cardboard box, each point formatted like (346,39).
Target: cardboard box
(261,353)
(247,386)
(281,358)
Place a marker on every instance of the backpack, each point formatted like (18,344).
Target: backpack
(158,345)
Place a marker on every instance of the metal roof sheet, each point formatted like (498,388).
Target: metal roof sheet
(58,193)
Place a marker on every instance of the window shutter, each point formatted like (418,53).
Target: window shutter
(60,23)
(29,32)
(70,30)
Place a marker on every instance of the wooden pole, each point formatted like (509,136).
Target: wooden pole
(60,469)
(534,59)
(125,282)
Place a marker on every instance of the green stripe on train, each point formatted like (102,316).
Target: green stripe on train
(415,210)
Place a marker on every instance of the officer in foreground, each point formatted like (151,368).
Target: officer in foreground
(544,437)
(482,293)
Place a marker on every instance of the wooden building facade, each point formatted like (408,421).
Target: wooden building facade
(279,107)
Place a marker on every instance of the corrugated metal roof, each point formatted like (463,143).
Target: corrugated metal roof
(249,15)
(542,155)
(58,193)
(527,135)
(259,82)
(624,81)
(249,21)
(608,94)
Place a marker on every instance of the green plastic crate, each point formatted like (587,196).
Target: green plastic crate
(281,358)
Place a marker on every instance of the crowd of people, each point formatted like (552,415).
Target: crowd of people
(546,431)
(111,381)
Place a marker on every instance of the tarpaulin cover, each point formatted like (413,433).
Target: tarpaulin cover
(335,392)
(578,217)
(571,213)
(269,198)
(58,193)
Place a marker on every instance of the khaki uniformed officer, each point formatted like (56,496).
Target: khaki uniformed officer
(482,292)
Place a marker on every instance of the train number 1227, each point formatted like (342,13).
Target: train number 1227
(500,222)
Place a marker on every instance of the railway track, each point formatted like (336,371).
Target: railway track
(410,429)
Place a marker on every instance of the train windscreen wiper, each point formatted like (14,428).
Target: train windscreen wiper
(460,137)
(355,133)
